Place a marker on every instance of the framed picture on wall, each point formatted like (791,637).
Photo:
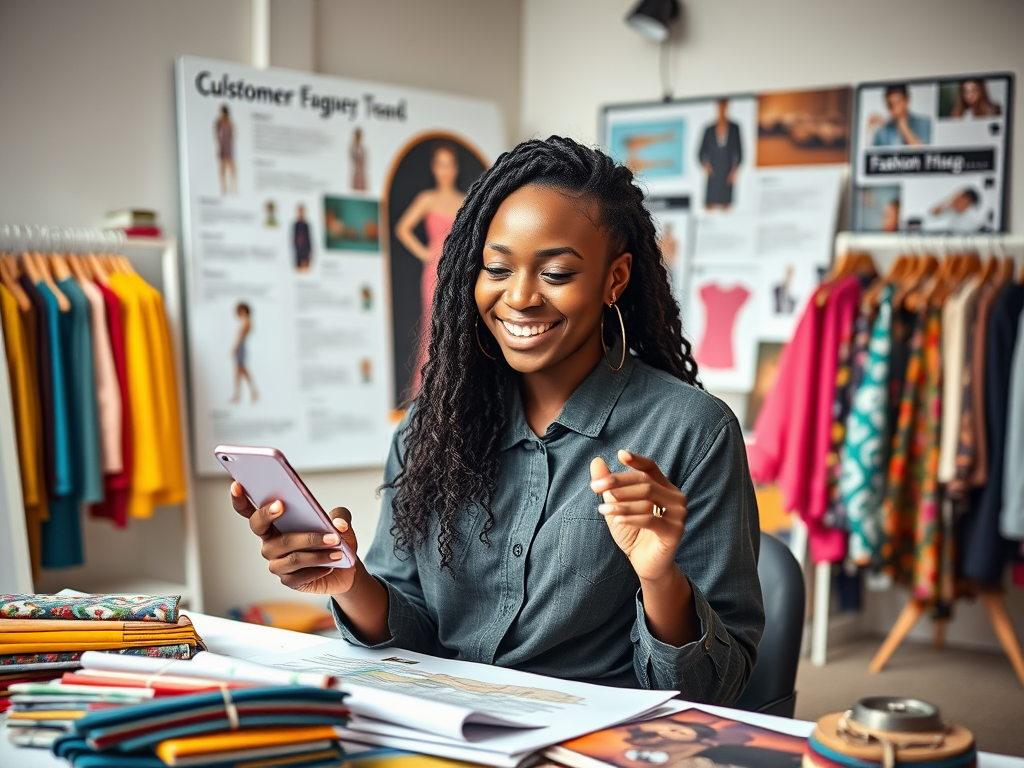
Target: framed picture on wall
(930,155)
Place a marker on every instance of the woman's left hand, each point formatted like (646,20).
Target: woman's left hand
(629,502)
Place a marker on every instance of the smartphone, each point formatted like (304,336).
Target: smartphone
(266,476)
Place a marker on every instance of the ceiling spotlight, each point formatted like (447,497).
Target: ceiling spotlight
(651,18)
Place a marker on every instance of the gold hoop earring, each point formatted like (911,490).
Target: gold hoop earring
(622,326)
(476,330)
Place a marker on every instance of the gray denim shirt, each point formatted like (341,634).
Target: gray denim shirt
(553,594)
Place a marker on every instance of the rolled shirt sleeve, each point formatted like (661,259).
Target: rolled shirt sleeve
(718,554)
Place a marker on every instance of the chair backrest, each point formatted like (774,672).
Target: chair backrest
(772,686)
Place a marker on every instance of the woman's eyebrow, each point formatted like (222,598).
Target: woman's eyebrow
(545,253)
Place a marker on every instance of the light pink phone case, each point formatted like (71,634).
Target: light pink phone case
(266,476)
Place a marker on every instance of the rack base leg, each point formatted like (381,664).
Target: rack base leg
(907,619)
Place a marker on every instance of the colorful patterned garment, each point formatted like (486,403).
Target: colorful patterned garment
(966,447)
(849,372)
(96,607)
(866,445)
(910,514)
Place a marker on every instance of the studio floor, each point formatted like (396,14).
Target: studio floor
(976,689)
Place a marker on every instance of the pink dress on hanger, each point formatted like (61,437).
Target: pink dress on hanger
(438,225)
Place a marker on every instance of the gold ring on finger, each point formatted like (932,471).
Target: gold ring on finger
(659,512)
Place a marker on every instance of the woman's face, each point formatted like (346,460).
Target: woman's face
(546,278)
(970,90)
(445,168)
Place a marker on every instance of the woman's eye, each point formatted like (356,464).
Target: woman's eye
(497,271)
(558,277)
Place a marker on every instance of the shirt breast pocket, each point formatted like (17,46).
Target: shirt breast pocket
(586,548)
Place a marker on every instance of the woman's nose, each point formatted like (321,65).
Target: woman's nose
(522,292)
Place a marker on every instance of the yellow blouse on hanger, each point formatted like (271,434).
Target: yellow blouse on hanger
(158,470)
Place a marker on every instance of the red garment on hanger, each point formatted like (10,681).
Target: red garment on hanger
(115,505)
(792,433)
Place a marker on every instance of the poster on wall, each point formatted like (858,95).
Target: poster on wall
(756,181)
(313,209)
(931,155)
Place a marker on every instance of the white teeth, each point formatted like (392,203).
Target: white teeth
(526,330)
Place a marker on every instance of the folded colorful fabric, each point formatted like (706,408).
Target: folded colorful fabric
(143,726)
(34,636)
(232,744)
(91,607)
(79,754)
(27,662)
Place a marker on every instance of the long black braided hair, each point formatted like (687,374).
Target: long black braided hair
(452,438)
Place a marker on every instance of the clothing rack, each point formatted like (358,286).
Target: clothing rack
(884,248)
(156,260)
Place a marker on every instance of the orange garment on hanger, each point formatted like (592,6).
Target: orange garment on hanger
(27,422)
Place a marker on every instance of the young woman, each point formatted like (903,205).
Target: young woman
(563,497)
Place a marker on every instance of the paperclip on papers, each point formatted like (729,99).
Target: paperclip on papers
(143,726)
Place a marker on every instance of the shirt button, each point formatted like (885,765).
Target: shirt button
(528,445)
(517,550)
(707,644)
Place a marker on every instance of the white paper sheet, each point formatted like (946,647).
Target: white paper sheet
(545,711)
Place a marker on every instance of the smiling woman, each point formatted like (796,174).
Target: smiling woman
(563,497)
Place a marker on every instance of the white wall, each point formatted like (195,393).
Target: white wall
(87,125)
(578,56)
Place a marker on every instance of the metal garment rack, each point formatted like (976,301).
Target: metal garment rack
(884,248)
(142,252)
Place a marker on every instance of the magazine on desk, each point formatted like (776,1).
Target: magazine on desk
(460,710)
(692,738)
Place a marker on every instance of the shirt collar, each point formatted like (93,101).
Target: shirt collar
(587,409)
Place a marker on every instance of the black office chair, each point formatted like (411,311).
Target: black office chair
(772,686)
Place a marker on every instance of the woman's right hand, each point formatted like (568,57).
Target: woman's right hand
(301,560)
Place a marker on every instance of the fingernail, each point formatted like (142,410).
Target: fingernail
(337,555)
(331,538)
(340,524)
(604,509)
(235,489)
(276,508)
(627,454)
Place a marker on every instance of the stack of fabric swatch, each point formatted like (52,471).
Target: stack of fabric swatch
(42,636)
(283,725)
(210,710)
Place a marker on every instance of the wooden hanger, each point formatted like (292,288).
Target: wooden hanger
(1009,266)
(43,269)
(989,269)
(923,267)
(10,281)
(59,267)
(99,271)
(873,295)
(847,265)
(79,268)
(964,266)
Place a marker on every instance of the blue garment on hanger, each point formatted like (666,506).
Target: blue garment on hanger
(84,418)
(62,533)
(62,459)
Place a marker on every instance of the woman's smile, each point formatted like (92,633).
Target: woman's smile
(530,332)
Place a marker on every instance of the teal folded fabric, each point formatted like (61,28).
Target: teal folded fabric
(141,727)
